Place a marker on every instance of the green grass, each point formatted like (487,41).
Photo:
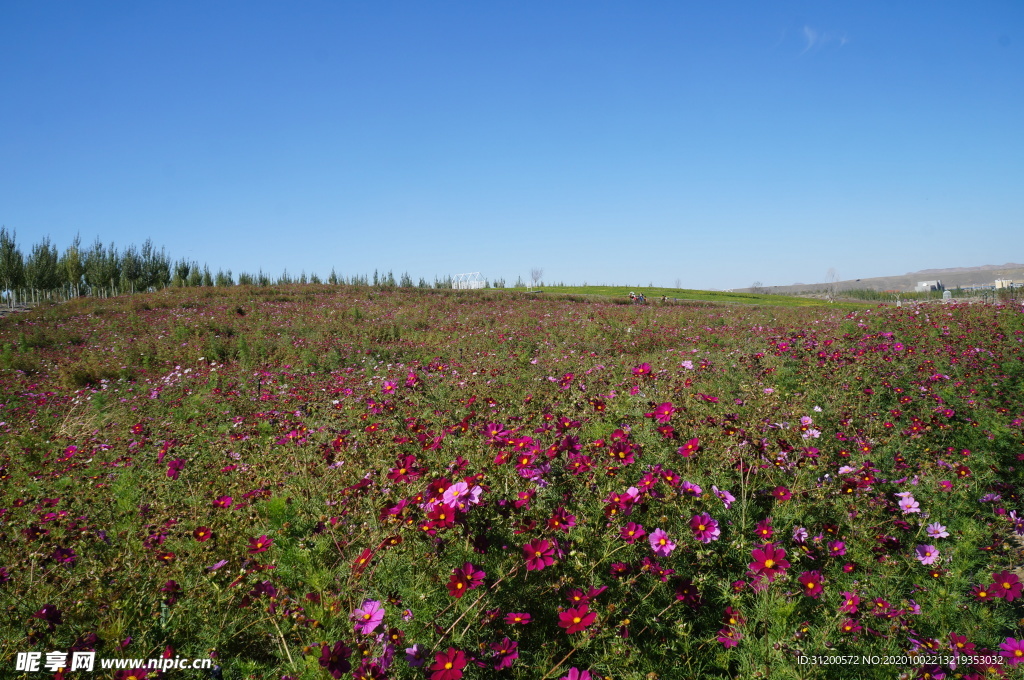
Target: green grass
(655,294)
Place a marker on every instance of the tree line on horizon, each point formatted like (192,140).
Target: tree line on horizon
(103,271)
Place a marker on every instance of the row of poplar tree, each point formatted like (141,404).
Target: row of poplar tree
(95,270)
(102,271)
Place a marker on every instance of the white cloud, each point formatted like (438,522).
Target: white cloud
(815,39)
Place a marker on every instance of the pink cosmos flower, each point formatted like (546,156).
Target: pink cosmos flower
(927,554)
(908,505)
(661,544)
(704,528)
(520,618)
(727,498)
(368,617)
(936,530)
(691,489)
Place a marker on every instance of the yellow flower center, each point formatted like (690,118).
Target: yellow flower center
(768,564)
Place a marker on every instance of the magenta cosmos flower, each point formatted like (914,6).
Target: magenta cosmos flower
(631,532)
(576,619)
(811,582)
(1007,586)
(335,659)
(729,637)
(506,652)
(538,554)
(661,544)
(175,467)
(689,448)
(415,656)
(466,577)
(368,617)
(769,560)
(448,665)
(577,674)
(663,413)
(1013,651)
(642,370)
(704,528)
(258,545)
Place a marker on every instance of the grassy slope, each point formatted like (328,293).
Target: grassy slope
(655,295)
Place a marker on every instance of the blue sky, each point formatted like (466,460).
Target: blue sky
(715,144)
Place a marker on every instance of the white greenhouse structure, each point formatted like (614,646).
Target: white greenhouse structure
(468,281)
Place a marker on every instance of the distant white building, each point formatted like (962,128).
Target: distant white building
(1008,283)
(926,286)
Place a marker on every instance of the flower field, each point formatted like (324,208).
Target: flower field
(320,481)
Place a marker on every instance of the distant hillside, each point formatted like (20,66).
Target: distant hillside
(951,278)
